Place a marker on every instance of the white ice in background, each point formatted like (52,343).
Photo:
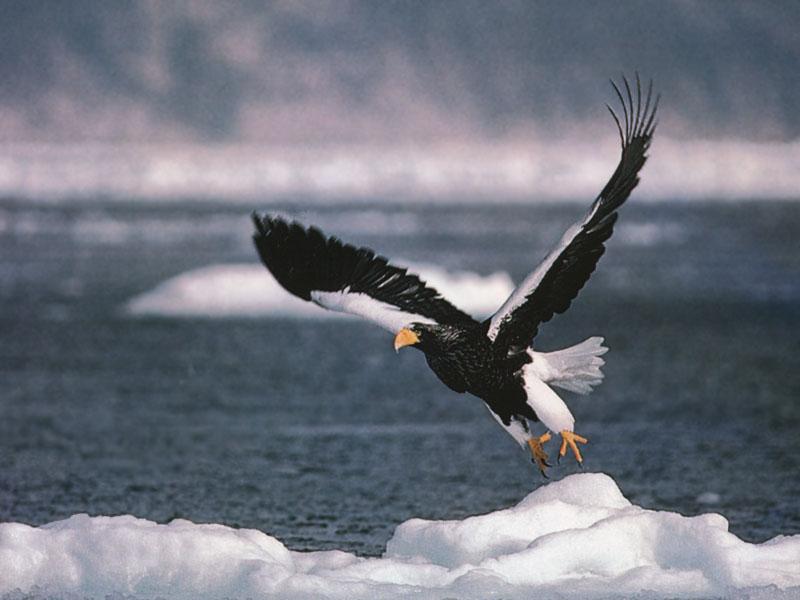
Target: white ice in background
(250,290)
(530,170)
(574,538)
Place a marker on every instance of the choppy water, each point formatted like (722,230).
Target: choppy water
(317,432)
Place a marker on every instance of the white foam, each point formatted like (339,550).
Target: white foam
(708,498)
(250,290)
(651,233)
(575,538)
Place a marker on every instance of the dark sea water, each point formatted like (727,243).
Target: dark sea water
(316,432)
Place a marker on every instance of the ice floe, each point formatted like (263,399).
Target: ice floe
(574,538)
(250,290)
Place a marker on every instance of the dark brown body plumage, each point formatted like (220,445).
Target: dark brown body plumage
(465,360)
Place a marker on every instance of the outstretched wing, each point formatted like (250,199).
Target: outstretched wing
(347,279)
(557,280)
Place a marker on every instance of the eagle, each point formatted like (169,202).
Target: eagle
(492,359)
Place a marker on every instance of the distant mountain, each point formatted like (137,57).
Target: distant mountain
(316,72)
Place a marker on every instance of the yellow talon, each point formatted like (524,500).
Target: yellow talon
(538,453)
(569,438)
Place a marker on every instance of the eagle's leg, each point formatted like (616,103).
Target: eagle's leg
(569,438)
(538,455)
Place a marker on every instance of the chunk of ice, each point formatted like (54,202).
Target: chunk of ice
(250,290)
(574,538)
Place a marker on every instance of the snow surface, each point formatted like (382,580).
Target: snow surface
(250,290)
(574,538)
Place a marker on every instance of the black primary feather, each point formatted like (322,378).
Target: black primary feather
(577,261)
(304,260)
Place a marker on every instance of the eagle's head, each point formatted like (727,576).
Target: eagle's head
(431,338)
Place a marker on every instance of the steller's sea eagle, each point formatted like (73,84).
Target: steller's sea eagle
(493,359)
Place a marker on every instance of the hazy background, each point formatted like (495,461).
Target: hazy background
(425,99)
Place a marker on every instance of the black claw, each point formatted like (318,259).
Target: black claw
(580,464)
(545,463)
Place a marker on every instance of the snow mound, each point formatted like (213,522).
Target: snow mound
(250,290)
(575,538)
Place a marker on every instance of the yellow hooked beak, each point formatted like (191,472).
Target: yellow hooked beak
(405,337)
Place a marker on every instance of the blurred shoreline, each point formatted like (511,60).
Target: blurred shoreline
(463,172)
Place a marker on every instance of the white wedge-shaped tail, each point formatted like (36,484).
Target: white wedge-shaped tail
(576,368)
